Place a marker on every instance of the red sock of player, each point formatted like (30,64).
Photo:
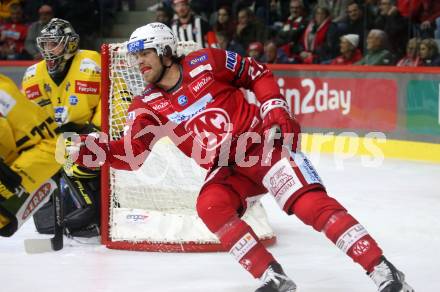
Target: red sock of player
(325,214)
(243,244)
(217,206)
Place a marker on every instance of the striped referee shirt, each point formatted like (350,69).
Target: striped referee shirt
(195,30)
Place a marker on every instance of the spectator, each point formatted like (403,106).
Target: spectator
(12,35)
(356,23)
(225,42)
(429,53)
(273,55)
(412,58)
(45,13)
(271,15)
(428,15)
(256,51)
(85,18)
(350,52)
(394,25)
(5,9)
(187,26)
(126,5)
(224,22)
(294,26)
(407,8)
(30,8)
(319,39)
(338,8)
(249,29)
(164,15)
(377,54)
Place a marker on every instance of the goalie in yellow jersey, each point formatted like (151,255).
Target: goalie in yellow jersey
(27,163)
(67,85)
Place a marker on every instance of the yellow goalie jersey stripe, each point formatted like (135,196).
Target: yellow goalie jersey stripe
(77,98)
(23,123)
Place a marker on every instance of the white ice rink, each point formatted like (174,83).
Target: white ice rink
(398,202)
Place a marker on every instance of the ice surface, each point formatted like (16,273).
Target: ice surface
(398,202)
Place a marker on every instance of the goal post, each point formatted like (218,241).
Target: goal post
(153,208)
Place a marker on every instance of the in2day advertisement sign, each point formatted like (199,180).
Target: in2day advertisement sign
(342,103)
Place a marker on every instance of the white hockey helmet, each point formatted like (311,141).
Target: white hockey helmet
(154,35)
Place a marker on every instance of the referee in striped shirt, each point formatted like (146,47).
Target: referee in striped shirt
(187,26)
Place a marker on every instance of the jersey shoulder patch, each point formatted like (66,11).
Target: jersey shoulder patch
(30,72)
(7,103)
(89,66)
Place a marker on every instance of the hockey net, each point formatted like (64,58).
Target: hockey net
(153,208)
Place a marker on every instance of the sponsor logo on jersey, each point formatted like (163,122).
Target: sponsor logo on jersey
(89,66)
(199,69)
(361,247)
(47,87)
(231,60)
(201,83)
(150,97)
(147,90)
(44,102)
(282,181)
(160,105)
(131,116)
(33,92)
(30,72)
(86,87)
(182,100)
(37,198)
(306,167)
(136,218)
(73,100)
(350,237)
(210,127)
(191,111)
(60,114)
(198,59)
(67,86)
(243,246)
(7,102)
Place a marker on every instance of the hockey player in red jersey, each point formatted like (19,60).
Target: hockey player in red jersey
(197,101)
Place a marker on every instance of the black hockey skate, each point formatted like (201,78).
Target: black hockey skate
(388,278)
(275,280)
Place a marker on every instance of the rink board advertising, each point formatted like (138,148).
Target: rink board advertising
(403,103)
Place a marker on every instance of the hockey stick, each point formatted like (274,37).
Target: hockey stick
(55,243)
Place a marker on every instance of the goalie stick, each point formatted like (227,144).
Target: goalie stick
(55,243)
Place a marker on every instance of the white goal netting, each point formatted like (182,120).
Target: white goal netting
(153,208)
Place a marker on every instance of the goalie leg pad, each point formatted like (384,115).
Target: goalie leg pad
(22,205)
(218,207)
(325,214)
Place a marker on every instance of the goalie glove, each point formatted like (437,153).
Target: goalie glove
(85,150)
(275,115)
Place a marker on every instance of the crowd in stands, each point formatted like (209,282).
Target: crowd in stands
(343,32)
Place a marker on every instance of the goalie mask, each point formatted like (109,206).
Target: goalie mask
(154,35)
(57,42)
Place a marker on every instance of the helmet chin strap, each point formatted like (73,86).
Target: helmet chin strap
(164,69)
